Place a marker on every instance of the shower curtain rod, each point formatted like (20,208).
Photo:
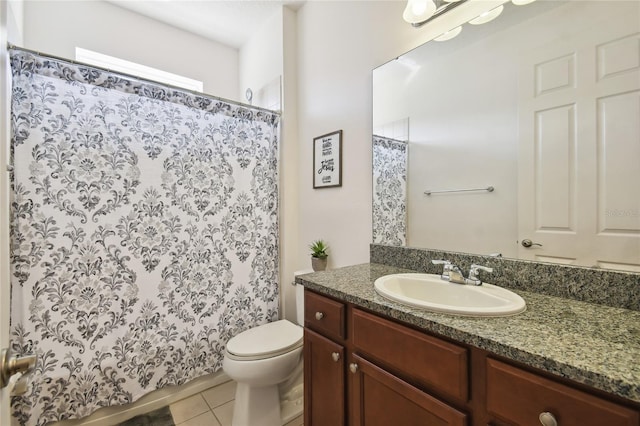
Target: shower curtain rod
(141,79)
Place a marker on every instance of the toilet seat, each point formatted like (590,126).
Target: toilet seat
(265,341)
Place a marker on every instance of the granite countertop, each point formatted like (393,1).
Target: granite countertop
(589,343)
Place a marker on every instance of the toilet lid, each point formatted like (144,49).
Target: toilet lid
(267,340)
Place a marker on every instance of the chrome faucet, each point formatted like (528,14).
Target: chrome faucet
(453,273)
(456,275)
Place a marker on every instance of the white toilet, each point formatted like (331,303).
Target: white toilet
(259,360)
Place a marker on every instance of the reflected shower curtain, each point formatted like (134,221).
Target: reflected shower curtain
(389,191)
(144,233)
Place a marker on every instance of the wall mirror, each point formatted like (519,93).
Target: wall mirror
(520,136)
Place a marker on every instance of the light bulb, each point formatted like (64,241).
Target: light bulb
(418,7)
(418,11)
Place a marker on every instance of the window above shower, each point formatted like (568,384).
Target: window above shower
(134,69)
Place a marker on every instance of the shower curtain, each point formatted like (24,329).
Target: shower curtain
(389,191)
(144,233)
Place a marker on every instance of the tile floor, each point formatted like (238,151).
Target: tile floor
(213,407)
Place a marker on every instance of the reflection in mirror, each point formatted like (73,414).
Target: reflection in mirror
(389,191)
(543,104)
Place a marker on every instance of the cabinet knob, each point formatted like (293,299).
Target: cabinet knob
(319,315)
(353,367)
(547,419)
(335,356)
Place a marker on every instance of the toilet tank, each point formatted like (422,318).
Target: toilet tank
(300,297)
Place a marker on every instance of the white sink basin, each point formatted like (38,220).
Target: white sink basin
(430,292)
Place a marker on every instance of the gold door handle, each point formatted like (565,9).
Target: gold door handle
(10,365)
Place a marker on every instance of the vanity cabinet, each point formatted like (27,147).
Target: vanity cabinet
(324,360)
(366,370)
(377,386)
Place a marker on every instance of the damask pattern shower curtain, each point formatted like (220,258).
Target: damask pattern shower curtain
(389,191)
(144,233)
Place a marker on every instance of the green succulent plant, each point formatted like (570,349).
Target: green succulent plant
(319,249)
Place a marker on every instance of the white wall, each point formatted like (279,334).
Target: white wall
(58,27)
(260,60)
(339,44)
(463,134)
(336,54)
(289,167)
(467,139)
(268,55)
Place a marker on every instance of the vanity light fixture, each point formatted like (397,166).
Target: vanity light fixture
(449,34)
(419,12)
(487,16)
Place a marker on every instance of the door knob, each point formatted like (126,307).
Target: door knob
(10,365)
(528,243)
(335,356)
(319,315)
(353,367)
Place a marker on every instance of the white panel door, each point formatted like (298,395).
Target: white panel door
(579,136)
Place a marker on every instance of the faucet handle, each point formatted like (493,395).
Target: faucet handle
(440,262)
(475,270)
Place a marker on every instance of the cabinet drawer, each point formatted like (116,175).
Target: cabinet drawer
(438,364)
(518,397)
(324,315)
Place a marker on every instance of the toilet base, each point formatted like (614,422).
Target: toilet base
(256,406)
(292,404)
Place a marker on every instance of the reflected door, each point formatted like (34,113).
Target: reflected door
(579,197)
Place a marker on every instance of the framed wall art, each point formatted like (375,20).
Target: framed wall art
(327,160)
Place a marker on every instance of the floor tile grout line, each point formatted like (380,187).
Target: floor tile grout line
(217,418)
(229,383)
(201,414)
(219,405)
(193,416)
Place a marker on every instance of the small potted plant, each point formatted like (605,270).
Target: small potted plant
(319,255)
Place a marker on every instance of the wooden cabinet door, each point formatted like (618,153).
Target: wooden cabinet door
(380,398)
(324,388)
